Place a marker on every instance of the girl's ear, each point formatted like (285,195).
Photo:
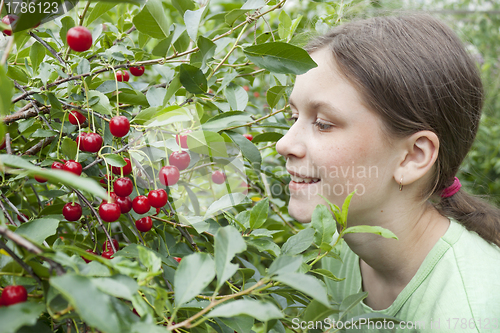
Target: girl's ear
(420,152)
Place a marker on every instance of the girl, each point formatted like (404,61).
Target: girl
(391,110)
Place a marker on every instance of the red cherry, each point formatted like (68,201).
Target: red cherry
(109,211)
(3,145)
(256,94)
(144,224)
(57,165)
(182,139)
(157,210)
(125,204)
(72,212)
(92,142)
(9,20)
(119,126)
(248,136)
(137,70)
(79,39)
(127,169)
(122,76)
(123,187)
(88,260)
(104,180)
(76,117)
(158,198)
(180,159)
(40,179)
(169,175)
(247,88)
(80,139)
(218,177)
(141,204)
(177,259)
(113,197)
(135,312)
(73,167)
(107,246)
(108,254)
(25,216)
(13,295)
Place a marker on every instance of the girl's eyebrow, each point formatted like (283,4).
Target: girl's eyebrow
(314,105)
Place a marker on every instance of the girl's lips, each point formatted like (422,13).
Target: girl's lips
(294,186)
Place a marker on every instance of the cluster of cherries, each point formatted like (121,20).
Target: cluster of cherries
(13,295)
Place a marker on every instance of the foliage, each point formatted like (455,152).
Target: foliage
(220,69)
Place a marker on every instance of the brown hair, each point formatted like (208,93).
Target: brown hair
(414,72)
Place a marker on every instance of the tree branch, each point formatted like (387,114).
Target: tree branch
(48,47)
(20,262)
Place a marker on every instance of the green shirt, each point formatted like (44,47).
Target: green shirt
(456,289)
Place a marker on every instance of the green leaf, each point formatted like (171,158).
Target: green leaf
(15,316)
(324,224)
(370,229)
(259,310)
(192,20)
(18,74)
(37,53)
(183,5)
(193,79)
(265,244)
(110,86)
(156,96)
(298,243)
(317,311)
(69,148)
(285,25)
(327,274)
(240,324)
(115,160)
(41,133)
(350,302)
(306,284)
(100,7)
(38,230)
(208,143)
(345,208)
(280,58)
(5,98)
(284,264)
(120,286)
(101,104)
(237,97)
(194,273)
(274,94)
(228,200)
(234,15)
(93,306)
(133,97)
(152,20)
(228,242)
(248,149)
(223,120)
(55,176)
(67,23)
(259,213)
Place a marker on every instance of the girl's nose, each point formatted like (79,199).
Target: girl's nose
(292,143)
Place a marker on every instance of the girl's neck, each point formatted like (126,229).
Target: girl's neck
(388,265)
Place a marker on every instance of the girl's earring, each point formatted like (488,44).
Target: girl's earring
(401,184)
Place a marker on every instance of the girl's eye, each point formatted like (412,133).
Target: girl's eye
(322,126)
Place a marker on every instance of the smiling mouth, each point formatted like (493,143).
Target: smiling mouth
(301,180)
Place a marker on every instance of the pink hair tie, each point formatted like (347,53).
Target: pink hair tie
(452,189)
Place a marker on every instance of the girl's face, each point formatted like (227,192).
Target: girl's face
(336,144)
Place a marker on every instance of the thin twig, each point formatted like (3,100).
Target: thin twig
(31,248)
(48,47)
(255,121)
(39,146)
(126,33)
(14,208)
(7,143)
(20,262)
(6,213)
(97,216)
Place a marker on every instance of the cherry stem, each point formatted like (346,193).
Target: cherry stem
(117,93)
(88,106)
